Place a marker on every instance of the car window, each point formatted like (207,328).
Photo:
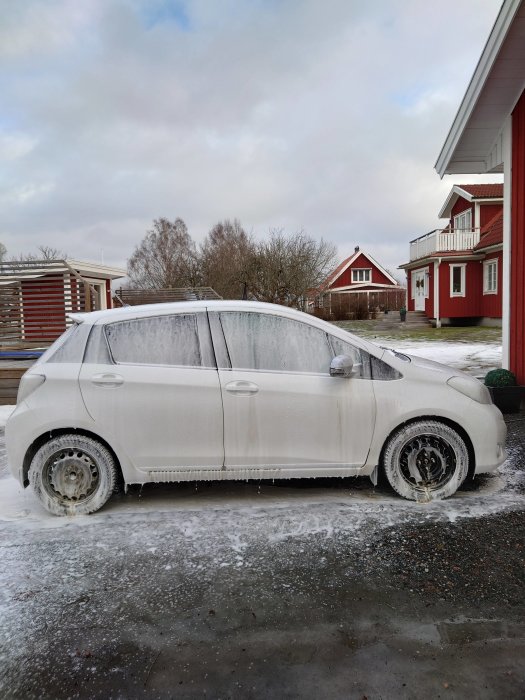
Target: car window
(382,371)
(273,343)
(69,347)
(157,340)
(360,358)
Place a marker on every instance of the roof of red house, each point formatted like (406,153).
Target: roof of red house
(486,191)
(492,233)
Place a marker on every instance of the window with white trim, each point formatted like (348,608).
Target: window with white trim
(362,274)
(457,280)
(463,221)
(490,276)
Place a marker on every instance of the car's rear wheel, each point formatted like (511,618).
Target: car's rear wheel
(72,475)
(426,460)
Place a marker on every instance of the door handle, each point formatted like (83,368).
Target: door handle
(108,380)
(242,388)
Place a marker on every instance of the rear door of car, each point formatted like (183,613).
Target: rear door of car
(151,385)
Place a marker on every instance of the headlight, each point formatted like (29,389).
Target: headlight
(471,387)
(28,384)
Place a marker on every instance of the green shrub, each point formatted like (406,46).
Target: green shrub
(500,377)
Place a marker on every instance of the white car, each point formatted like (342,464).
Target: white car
(239,390)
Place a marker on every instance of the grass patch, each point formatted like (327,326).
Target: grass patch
(457,334)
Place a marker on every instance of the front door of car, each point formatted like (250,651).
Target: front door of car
(152,387)
(281,406)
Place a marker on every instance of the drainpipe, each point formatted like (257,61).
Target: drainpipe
(437,263)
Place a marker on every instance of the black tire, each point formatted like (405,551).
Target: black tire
(426,460)
(73,475)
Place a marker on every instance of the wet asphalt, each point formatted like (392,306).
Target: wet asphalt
(310,590)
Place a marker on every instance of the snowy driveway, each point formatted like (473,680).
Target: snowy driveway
(315,589)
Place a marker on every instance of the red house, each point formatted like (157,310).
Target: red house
(488,135)
(359,279)
(454,274)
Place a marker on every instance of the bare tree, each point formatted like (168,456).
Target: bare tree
(227,259)
(3,251)
(44,252)
(166,257)
(287,266)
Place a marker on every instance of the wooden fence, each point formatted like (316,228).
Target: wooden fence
(342,306)
(131,297)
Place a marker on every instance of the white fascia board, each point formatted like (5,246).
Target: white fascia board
(89,269)
(490,52)
(358,287)
(379,267)
(332,278)
(452,198)
(351,260)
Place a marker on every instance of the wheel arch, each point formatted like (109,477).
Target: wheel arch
(439,419)
(48,435)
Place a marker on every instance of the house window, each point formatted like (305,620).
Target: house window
(457,280)
(361,274)
(490,277)
(463,221)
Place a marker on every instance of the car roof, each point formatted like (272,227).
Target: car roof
(144,310)
(128,312)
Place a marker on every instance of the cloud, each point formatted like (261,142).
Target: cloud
(282,113)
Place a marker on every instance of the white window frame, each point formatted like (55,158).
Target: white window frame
(487,264)
(463,218)
(355,276)
(463,291)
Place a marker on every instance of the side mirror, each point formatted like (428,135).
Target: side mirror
(342,366)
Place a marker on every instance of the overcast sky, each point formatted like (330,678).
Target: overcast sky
(297,114)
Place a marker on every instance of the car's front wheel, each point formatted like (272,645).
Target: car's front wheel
(426,460)
(72,475)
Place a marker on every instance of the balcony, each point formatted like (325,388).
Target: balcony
(443,240)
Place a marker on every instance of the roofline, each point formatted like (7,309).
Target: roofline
(94,268)
(441,257)
(350,260)
(477,82)
(458,191)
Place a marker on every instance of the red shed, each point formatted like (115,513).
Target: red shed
(36,297)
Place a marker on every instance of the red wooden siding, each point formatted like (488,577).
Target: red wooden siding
(459,207)
(517,258)
(488,212)
(362,262)
(491,303)
(37,327)
(470,304)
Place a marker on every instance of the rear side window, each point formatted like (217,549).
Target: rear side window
(158,340)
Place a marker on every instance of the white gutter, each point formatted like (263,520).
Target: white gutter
(437,263)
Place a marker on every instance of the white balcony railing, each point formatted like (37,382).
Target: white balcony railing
(442,240)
